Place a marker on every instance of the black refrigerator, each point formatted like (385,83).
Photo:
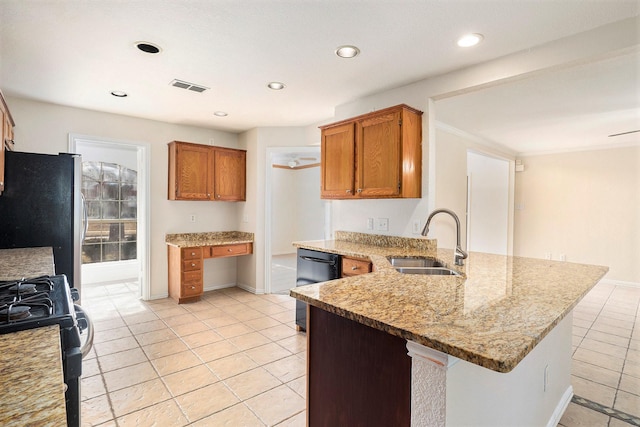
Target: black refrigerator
(41,205)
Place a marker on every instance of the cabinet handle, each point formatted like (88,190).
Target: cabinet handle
(193,287)
(354,268)
(193,254)
(208,194)
(218,196)
(348,191)
(359,190)
(193,265)
(229,250)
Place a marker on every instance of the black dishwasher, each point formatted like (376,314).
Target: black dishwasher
(314,267)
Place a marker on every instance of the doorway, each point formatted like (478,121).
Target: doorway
(116,187)
(294,211)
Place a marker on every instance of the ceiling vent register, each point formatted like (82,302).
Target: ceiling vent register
(188,86)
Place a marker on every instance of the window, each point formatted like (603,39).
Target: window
(110,191)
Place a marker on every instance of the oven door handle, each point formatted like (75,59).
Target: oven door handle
(83,318)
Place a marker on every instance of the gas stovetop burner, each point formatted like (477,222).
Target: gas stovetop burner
(23,288)
(13,313)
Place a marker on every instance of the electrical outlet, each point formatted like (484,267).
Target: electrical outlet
(563,257)
(416,227)
(369,223)
(192,218)
(383,224)
(547,255)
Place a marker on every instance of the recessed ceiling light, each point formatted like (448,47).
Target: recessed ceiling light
(147,47)
(220,114)
(469,40)
(276,85)
(347,51)
(119,93)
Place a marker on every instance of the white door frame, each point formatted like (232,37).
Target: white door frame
(267,205)
(143,151)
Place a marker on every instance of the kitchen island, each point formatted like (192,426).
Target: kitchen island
(490,347)
(31,382)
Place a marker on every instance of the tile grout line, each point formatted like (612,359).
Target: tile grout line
(611,412)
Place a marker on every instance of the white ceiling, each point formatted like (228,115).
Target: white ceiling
(75,52)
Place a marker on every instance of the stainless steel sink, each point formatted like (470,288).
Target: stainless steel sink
(431,271)
(414,261)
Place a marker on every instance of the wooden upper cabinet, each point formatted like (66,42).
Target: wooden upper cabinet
(376,155)
(229,174)
(204,172)
(6,136)
(337,160)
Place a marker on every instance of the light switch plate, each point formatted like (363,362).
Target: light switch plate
(383,224)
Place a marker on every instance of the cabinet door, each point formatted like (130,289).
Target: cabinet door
(229,170)
(378,149)
(189,171)
(3,136)
(337,162)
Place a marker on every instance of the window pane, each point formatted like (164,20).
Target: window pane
(110,252)
(110,172)
(130,231)
(128,192)
(110,210)
(128,250)
(93,209)
(91,170)
(90,254)
(110,191)
(91,189)
(128,209)
(94,233)
(128,176)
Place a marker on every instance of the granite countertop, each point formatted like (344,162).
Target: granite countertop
(32,385)
(212,238)
(493,315)
(26,262)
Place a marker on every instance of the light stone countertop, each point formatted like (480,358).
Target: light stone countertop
(492,316)
(212,238)
(26,263)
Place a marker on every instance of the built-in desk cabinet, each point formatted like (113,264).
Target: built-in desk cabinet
(373,156)
(205,172)
(186,267)
(355,266)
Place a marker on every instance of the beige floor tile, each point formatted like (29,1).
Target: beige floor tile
(90,367)
(175,362)
(579,332)
(131,375)
(614,422)
(231,331)
(163,414)
(285,317)
(267,353)
(121,359)
(164,348)
(252,383)
(599,359)
(272,309)
(96,411)
(251,340)
(105,325)
(171,312)
(92,387)
(141,328)
(156,336)
(635,344)
(299,385)
(595,373)
(206,401)
(578,416)
(139,317)
(299,420)
(189,380)
(279,332)
(201,338)
(219,321)
(180,320)
(276,405)
(593,391)
(630,384)
(633,356)
(237,415)
(580,323)
(247,314)
(631,368)
(214,351)
(604,348)
(232,365)
(115,346)
(189,328)
(611,328)
(137,397)
(261,323)
(287,369)
(627,402)
(607,338)
(111,334)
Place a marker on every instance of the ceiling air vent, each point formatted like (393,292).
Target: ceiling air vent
(188,86)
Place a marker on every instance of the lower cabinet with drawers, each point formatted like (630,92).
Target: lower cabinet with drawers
(186,267)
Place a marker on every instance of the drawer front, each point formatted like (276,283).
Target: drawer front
(194,264)
(192,289)
(230,250)
(191,253)
(192,277)
(353,267)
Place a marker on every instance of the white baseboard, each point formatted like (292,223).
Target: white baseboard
(250,289)
(562,406)
(216,287)
(160,296)
(620,283)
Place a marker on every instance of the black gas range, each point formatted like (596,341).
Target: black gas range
(48,300)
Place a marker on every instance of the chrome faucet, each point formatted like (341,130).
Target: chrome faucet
(459,254)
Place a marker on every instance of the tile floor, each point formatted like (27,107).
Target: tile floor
(235,359)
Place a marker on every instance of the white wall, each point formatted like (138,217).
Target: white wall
(44,128)
(585,205)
